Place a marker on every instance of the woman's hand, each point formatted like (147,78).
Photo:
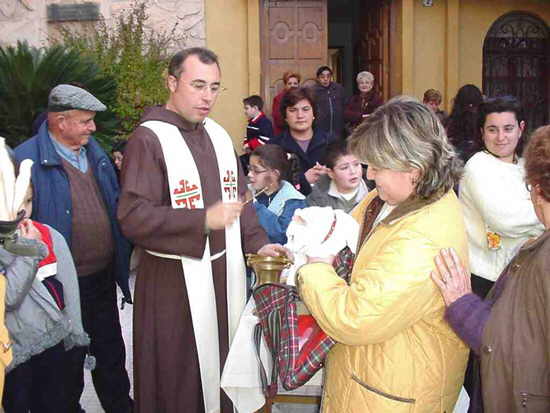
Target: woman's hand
(450,276)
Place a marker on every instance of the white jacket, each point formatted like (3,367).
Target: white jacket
(494,198)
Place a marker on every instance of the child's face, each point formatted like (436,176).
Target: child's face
(259,176)
(117,159)
(250,111)
(433,105)
(27,203)
(346,173)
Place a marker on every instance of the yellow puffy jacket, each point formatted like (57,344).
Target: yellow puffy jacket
(395,352)
(5,343)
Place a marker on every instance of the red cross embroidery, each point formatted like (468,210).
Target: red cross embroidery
(230,184)
(187,194)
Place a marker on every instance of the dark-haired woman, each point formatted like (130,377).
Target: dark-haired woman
(343,186)
(462,128)
(276,204)
(498,211)
(301,138)
(509,330)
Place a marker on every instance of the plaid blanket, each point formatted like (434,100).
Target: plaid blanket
(297,344)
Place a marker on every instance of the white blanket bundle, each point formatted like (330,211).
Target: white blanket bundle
(318,232)
(12,190)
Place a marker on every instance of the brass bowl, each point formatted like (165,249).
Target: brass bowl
(267,269)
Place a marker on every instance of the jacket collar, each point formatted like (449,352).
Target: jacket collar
(319,139)
(48,155)
(411,206)
(46,151)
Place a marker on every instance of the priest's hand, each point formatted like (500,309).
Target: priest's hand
(222,214)
(274,250)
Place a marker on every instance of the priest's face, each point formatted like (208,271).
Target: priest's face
(194,92)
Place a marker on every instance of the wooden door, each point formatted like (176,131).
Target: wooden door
(294,37)
(516,57)
(372,48)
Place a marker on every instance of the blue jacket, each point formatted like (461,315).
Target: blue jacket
(316,152)
(275,214)
(52,194)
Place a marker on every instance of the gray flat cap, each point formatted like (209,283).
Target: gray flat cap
(67,97)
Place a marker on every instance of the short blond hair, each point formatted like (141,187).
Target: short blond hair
(404,134)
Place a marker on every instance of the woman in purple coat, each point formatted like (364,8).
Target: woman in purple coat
(510,330)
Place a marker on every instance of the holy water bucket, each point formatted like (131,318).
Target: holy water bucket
(267,269)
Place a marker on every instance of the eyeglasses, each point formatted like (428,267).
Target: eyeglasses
(201,87)
(255,171)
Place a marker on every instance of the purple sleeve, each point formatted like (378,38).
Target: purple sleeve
(468,316)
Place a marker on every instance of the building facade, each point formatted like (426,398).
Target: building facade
(502,46)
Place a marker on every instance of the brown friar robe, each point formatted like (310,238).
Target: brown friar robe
(166,368)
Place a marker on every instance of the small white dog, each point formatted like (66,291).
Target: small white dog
(318,232)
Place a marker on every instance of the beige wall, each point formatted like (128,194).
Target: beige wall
(233,32)
(475,22)
(446,41)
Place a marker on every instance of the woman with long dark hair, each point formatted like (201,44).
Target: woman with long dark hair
(461,126)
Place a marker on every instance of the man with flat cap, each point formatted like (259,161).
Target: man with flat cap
(75,191)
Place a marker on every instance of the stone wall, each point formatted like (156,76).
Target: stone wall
(27,19)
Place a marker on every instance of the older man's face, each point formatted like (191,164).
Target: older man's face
(76,127)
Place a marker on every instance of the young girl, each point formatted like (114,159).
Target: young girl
(277,199)
(343,187)
(42,312)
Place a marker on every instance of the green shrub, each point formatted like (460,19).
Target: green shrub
(27,74)
(134,55)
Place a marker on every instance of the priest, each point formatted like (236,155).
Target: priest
(181,203)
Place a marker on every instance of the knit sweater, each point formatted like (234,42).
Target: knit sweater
(497,205)
(325,194)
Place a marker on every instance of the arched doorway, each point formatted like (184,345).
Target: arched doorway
(515,62)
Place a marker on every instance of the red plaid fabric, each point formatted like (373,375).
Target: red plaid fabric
(296,342)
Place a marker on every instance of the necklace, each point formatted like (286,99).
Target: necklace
(514,158)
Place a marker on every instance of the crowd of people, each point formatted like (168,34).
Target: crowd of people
(449,286)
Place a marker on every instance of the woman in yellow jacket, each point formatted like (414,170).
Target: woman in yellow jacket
(395,352)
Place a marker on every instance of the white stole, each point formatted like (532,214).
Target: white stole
(186,192)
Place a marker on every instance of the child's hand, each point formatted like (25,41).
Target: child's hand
(28,230)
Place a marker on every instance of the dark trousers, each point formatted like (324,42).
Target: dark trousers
(37,385)
(101,322)
(480,286)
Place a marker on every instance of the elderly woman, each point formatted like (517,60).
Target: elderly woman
(395,352)
(290,80)
(510,329)
(301,138)
(363,103)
